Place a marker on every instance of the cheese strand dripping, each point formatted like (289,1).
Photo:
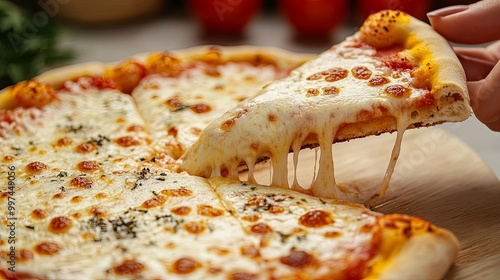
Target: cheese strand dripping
(402,124)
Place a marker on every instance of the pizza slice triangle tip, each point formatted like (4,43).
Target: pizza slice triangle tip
(395,73)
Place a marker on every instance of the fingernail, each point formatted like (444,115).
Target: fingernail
(446,11)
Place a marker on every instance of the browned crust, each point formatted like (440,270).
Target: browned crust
(282,58)
(412,248)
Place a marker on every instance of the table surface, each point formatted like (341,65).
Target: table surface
(170,32)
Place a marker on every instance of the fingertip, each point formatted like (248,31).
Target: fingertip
(468,24)
(446,11)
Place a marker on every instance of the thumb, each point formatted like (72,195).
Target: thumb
(474,24)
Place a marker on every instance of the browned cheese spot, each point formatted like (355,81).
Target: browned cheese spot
(195,131)
(101,195)
(165,64)
(230,122)
(58,195)
(185,266)
(212,71)
(24,255)
(251,218)
(177,192)
(378,81)
(254,201)
(335,74)
(331,90)
(88,166)
(76,199)
(81,182)
(214,270)
(298,259)
(175,104)
(128,268)
(332,234)
(195,227)
(97,211)
(156,201)
(36,167)
(224,171)
(47,248)
(312,92)
(261,229)
(121,120)
(60,224)
(85,148)
(315,76)
(4,195)
(172,131)
(7,158)
(250,251)
(209,211)
(39,214)
(181,210)
(127,141)
(316,218)
(276,209)
(272,118)
(361,72)
(64,141)
(254,146)
(397,91)
(242,276)
(219,251)
(200,108)
(135,128)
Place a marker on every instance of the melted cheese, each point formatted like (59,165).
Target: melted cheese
(88,126)
(176,127)
(299,110)
(92,202)
(287,222)
(388,72)
(132,218)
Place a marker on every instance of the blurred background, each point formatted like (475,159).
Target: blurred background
(36,35)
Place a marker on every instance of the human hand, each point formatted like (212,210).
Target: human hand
(477,23)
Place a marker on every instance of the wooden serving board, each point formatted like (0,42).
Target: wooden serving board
(437,178)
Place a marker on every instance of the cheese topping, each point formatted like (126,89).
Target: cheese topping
(382,79)
(87,169)
(310,106)
(177,109)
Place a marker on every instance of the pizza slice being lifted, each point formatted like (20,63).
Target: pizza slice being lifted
(395,73)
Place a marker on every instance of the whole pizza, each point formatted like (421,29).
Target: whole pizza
(133,170)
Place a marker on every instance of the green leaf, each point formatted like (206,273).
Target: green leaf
(26,49)
(11,16)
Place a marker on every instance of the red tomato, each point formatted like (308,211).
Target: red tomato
(416,8)
(314,17)
(225,16)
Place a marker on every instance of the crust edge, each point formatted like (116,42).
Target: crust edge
(435,253)
(284,58)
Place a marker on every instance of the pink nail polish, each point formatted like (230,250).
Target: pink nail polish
(446,11)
